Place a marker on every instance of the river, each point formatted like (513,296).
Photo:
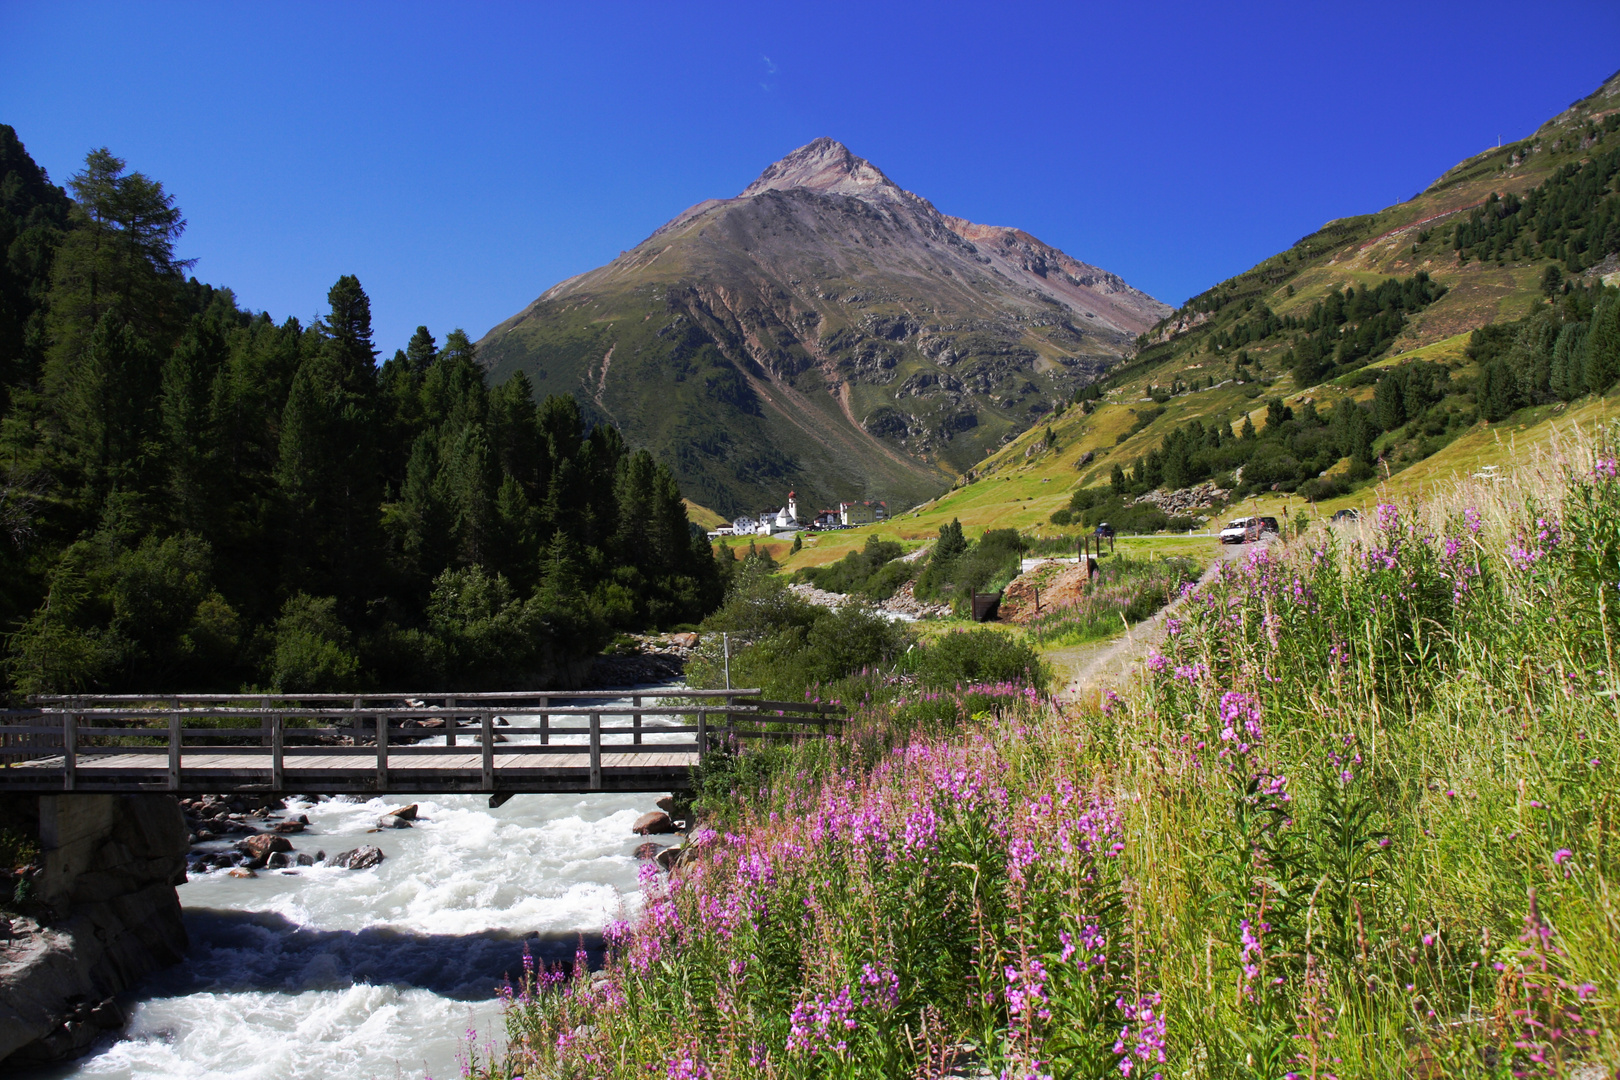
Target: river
(327,973)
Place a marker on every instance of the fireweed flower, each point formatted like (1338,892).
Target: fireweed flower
(1026,992)
(1141,1039)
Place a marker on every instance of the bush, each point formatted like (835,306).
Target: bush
(977,656)
(787,647)
(313,651)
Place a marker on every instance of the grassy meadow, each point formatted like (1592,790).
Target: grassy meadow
(1355,819)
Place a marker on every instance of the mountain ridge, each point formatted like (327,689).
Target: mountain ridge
(851,340)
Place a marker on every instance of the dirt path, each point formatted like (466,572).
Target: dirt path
(1087,670)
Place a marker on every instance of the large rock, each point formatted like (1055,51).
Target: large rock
(649,851)
(110,914)
(263,845)
(392,821)
(653,824)
(404,813)
(361,858)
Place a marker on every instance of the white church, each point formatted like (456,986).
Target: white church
(783,522)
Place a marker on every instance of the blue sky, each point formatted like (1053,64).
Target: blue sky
(461,158)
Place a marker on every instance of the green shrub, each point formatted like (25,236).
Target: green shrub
(977,656)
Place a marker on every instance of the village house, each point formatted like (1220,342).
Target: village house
(862,513)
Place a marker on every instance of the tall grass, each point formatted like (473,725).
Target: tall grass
(1356,819)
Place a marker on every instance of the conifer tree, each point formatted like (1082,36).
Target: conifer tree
(1603,344)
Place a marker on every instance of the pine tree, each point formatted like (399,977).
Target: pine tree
(420,350)
(329,466)
(1603,344)
(188,383)
(118,256)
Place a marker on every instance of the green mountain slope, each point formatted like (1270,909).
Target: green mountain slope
(825,331)
(1358,310)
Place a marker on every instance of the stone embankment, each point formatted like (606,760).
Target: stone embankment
(903,603)
(650,658)
(99,913)
(1185,500)
(1045,587)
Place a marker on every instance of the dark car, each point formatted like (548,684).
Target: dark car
(1105,531)
(1347,515)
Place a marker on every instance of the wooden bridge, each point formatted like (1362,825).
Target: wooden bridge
(327,744)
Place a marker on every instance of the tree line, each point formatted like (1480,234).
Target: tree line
(1573,216)
(196,497)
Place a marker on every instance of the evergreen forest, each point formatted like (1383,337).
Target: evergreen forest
(196,497)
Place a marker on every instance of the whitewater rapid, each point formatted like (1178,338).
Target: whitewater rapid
(380,973)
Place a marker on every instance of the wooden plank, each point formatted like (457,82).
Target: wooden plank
(174,751)
(382,753)
(278,757)
(596,752)
(70,747)
(487,727)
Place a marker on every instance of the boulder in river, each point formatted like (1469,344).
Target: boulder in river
(404,813)
(242,871)
(649,850)
(263,844)
(393,821)
(288,827)
(361,858)
(277,860)
(653,824)
(669,858)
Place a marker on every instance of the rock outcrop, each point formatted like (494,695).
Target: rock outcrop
(104,915)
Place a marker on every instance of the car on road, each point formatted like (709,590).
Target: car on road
(1247,530)
(1347,515)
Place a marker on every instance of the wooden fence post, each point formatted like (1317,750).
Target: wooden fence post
(635,719)
(450,722)
(174,751)
(70,749)
(264,722)
(382,752)
(545,722)
(277,756)
(596,751)
(703,733)
(487,737)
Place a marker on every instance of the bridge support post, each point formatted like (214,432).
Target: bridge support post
(174,751)
(596,751)
(382,752)
(545,722)
(70,750)
(635,719)
(487,738)
(450,722)
(264,721)
(277,758)
(703,733)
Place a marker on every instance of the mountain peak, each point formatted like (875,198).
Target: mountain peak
(825,165)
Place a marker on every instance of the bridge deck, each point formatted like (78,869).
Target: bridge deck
(642,769)
(409,744)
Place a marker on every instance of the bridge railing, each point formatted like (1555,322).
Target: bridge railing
(388,727)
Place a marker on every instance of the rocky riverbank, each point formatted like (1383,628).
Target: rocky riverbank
(99,913)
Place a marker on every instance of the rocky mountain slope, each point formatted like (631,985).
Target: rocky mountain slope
(827,331)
